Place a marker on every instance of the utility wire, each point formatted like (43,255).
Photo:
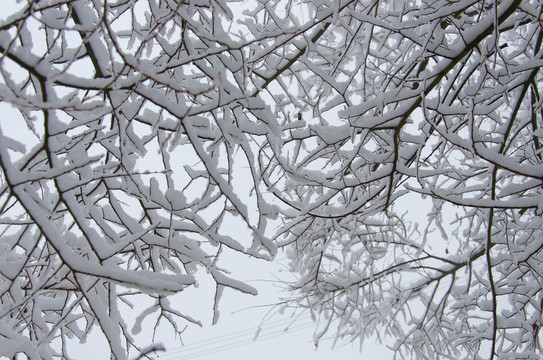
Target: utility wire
(246,342)
(232,340)
(236,334)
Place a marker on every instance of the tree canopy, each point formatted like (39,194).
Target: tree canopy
(135,133)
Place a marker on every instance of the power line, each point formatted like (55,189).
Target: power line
(232,340)
(247,342)
(236,334)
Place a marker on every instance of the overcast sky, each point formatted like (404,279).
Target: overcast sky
(241,315)
(281,336)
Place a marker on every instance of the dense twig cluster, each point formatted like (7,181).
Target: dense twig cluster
(440,98)
(150,125)
(123,131)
